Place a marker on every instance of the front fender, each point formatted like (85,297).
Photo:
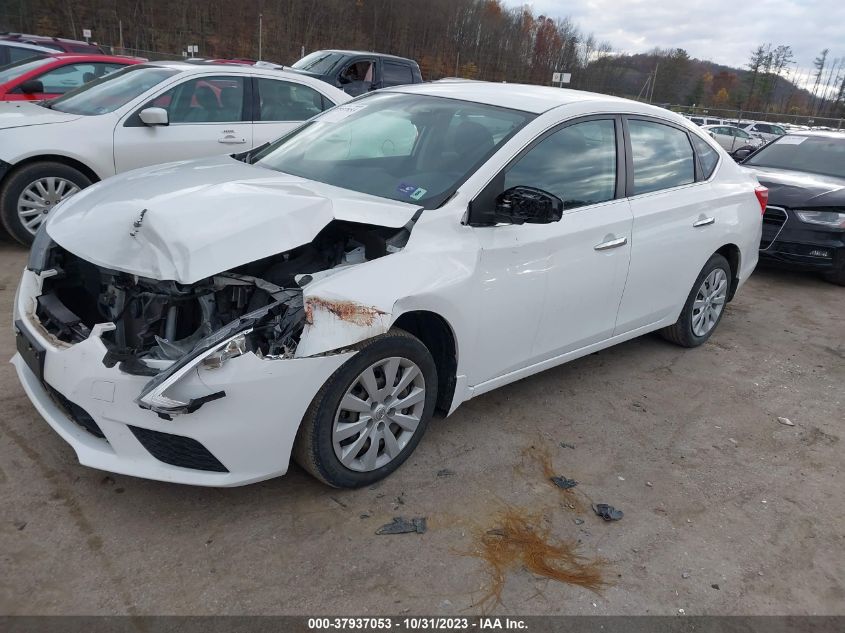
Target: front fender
(364,301)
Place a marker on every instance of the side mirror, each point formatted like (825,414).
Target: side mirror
(154,117)
(741,154)
(712,135)
(33,86)
(518,205)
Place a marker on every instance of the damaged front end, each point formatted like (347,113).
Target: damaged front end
(166,330)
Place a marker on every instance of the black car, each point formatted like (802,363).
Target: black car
(357,72)
(804,222)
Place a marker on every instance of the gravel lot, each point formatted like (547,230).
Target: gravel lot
(743,514)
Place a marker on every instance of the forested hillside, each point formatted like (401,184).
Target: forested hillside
(480,39)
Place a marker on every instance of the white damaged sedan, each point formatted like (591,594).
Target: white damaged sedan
(322,296)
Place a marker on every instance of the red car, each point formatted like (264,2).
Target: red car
(48,77)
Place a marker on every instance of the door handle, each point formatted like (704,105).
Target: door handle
(703,222)
(231,140)
(611,244)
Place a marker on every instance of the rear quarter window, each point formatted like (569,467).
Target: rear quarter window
(708,157)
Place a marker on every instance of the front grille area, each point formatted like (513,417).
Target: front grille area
(77,414)
(178,450)
(773,220)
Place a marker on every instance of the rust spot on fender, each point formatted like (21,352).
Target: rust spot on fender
(348,311)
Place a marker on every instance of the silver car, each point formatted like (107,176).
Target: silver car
(733,139)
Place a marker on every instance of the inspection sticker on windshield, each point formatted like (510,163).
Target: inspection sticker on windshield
(412,191)
(338,113)
(792,140)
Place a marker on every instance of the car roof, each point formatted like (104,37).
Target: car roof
(13,37)
(525,97)
(92,57)
(836,134)
(27,45)
(230,68)
(374,53)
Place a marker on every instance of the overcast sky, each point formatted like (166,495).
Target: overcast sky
(724,31)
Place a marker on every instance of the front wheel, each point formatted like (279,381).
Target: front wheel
(371,413)
(705,305)
(32,191)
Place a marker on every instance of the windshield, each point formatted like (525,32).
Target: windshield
(411,148)
(813,154)
(16,69)
(318,63)
(109,93)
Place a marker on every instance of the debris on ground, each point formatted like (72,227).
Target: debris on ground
(567,445)
(563,483)
(649,484)
(19,525)
(445,473)
(577,521)
(607,512)
(364,516)
(685,575)
(520,540)
(786,421)
(400,525)
(715,586)
(339,502)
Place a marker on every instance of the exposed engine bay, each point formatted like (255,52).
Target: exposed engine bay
(160,321)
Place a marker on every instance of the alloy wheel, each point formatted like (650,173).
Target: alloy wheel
(378,414)
(709,302)
(39,197)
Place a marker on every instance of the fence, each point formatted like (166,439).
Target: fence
(771,117)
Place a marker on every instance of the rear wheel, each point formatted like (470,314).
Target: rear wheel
(371,413)
(705,305)
(32,191)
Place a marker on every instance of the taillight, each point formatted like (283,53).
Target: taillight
(762,194)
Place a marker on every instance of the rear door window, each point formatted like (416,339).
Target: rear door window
(662,156)
(395,74)
(288,101)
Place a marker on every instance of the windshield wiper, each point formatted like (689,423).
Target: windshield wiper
(247,157)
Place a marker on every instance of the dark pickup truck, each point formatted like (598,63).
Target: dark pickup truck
(357,72)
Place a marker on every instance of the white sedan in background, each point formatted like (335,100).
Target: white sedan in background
(143,115)
(320,298)
(733,139)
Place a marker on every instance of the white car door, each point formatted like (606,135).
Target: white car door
(548,289)
(281,105)
(676,223)
(205,118)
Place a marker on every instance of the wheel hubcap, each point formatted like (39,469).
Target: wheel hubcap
(37,199)
(709,302)
(379,414)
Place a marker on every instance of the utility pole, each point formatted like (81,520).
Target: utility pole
(653,82)
(457,63)
(260,29)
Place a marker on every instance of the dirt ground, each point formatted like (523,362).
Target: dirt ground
(727,511)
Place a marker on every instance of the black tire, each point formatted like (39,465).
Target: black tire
(836,276)
(313,449)
(681,333)
(19,180)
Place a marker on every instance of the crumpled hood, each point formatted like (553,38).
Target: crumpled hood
(796,189)
(190,220)
(21,114)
